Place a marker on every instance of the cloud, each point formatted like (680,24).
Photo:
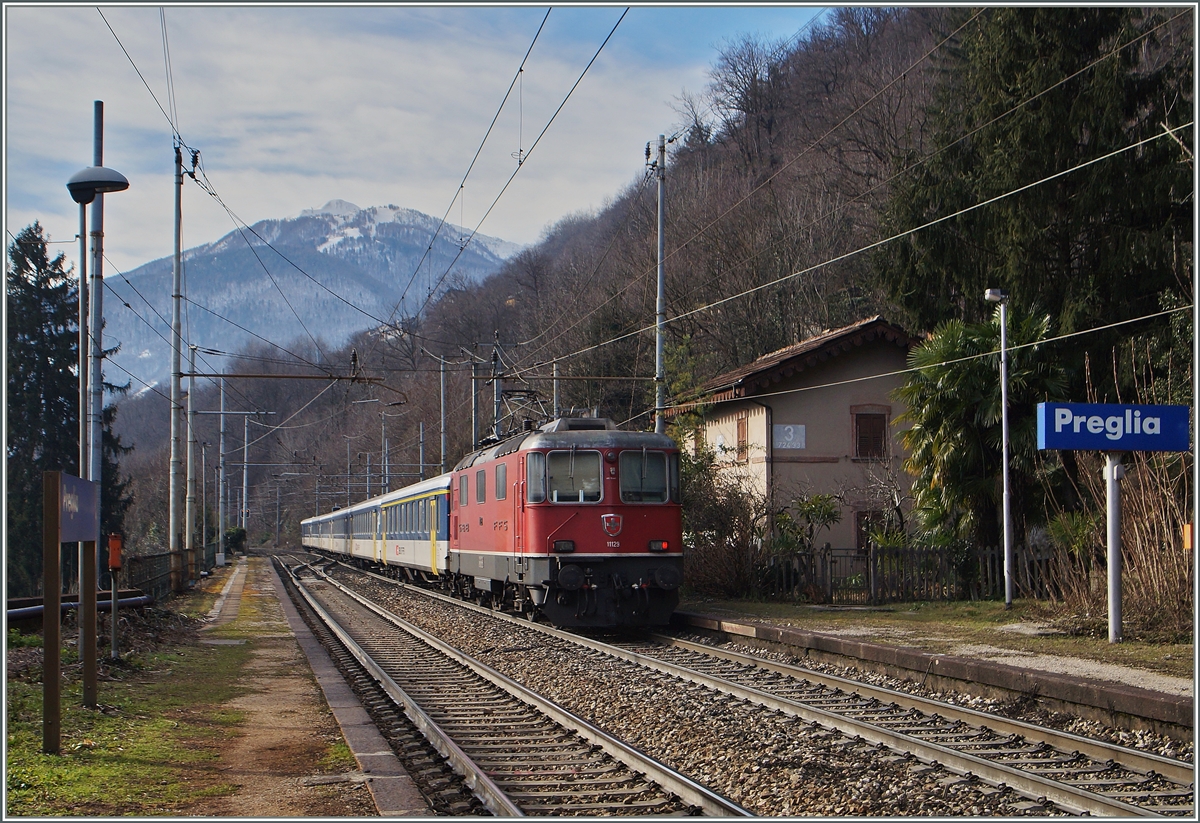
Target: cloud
(292,107)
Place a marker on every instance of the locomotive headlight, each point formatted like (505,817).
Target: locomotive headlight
(659,545)
(564,546)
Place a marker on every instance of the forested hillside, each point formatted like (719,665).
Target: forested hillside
(890,161)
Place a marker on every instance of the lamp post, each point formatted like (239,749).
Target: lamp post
(84,186)
(1001,296)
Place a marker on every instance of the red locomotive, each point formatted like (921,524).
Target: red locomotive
(577,522)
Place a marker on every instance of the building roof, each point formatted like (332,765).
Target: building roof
(759,375)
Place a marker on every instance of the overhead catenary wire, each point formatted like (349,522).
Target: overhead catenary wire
(691,404)
(263,265)
(171,102)
(207,185)
(842,206)
(771,178)
(172,120)
(629,212)
(209,189)
(733,297)
(707,227)
(517,170)
(126,304)
(470,166)
(884,241)
(142,77)
(290,417)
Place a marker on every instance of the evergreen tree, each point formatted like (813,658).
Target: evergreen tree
(1039,91)
(42,404)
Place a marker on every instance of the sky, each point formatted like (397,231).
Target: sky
(291,107)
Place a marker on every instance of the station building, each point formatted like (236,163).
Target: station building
(817,417)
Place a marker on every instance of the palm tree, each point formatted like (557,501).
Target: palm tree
(955,442)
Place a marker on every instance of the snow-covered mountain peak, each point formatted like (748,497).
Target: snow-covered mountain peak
(337,208)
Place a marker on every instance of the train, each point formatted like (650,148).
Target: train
(576,523)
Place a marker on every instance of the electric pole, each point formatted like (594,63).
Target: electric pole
(660,318)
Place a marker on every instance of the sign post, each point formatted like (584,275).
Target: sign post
(1113,429)
(70,514)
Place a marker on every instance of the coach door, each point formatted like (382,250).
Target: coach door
(376,537)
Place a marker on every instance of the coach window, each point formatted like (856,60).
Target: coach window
(643,477)
(535,477)
(481,486)
(462,490)
(501,481)
(574,476)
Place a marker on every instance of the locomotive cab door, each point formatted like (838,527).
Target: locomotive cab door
(518,519)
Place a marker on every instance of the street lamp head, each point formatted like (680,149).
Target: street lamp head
(85,185)
(995,295)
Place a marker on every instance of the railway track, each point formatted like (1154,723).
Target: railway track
(1076,774)
(519,754)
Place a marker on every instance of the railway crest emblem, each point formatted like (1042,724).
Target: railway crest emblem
(612,524)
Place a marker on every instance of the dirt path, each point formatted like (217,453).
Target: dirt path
(275,758)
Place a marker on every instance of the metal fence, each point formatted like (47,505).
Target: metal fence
(151,573)
(877,575)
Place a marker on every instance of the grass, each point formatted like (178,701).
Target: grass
(942,627)
(337,759)
(142,752)
(152,746)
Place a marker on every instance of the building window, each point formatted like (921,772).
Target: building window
(743,438)
(870,435)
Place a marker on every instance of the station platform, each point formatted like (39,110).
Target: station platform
(1118,696)
(392,791)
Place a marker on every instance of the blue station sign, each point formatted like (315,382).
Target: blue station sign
(1111,427)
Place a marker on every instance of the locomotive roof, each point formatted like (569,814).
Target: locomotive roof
(584,433)
(611,439)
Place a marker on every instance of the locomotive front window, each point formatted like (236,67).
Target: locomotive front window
(574,476)
(643,477)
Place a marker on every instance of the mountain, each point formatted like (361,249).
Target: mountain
(326,274)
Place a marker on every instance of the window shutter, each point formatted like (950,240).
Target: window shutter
(871,435)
